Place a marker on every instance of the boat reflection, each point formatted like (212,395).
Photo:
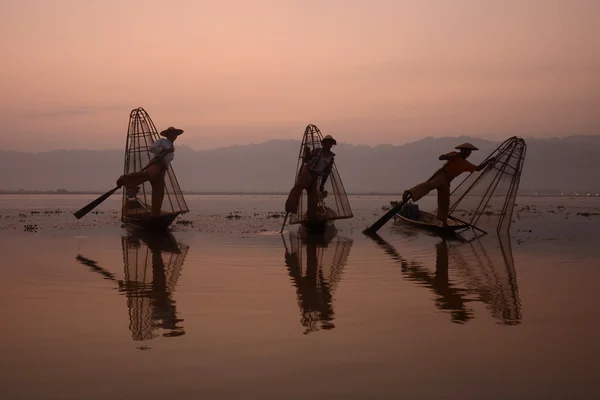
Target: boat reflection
(315,264)
(152,267)
(481,270)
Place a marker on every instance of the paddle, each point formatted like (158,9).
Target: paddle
(285,219)
(94,203)
(79,214)
(382,221)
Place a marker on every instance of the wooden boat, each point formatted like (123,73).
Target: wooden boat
(333,203)
(137,202)
(157,223)
(483,199)
(317,226)
(422,219)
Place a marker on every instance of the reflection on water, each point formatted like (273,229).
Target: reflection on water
(315,263)
(152,267)
(480,270)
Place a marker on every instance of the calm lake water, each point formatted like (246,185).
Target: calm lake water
(226,307)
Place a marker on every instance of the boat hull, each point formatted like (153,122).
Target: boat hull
(160,223)
(430,222)
(317,226)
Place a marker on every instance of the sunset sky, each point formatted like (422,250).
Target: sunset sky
(238,72)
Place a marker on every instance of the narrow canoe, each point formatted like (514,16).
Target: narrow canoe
(430,222)
(159,223)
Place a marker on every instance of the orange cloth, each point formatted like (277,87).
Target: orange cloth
(457,166)
(441,181)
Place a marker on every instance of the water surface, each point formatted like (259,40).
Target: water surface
(226,307)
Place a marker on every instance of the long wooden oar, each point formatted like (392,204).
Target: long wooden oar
(94,203)
(106,195)
(285,219)
(382,221)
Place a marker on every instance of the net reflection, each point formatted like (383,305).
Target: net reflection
(153,264)
(487,267)
(481,270)
(152,267)
(315,264)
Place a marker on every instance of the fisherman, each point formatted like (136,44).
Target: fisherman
(155,170)
(315,171)
(456,164)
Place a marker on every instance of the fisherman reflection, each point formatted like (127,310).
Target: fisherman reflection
(152,266)
(448,297)
(316,280)
(483,274)
(149,283)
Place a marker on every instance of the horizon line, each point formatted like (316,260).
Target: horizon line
(340,142)
(527,192)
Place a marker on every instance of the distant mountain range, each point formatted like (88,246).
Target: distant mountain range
(552,165)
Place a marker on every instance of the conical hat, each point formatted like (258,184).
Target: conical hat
(171,130)
(329,137)
(467,146)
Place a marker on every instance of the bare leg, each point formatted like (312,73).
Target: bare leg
(443,202)
(311,192)
(303,181)
(422,189)
(134,179)
(293,200)
(158,194)
(137,178)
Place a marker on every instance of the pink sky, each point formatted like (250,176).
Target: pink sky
(367,72)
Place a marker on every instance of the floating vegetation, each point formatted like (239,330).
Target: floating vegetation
(30,228)
(234,215)
(587,214)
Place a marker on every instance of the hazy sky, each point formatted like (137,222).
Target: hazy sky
(368,72)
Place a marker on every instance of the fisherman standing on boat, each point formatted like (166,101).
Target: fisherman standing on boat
(155,170)
(456,164)
(313,174)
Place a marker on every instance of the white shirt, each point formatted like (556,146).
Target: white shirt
(160,145)
(323,163)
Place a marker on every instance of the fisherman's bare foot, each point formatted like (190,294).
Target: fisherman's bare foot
(442,222)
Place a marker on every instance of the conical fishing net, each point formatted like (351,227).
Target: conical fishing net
(137,202)
(333,202)
(486,198)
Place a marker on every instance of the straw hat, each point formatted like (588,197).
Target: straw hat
(329,137)
(467,146)
(171,130)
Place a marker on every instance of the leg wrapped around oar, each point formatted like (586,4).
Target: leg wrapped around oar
(441,183)
(423,189)
(305,181)
(153,173)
